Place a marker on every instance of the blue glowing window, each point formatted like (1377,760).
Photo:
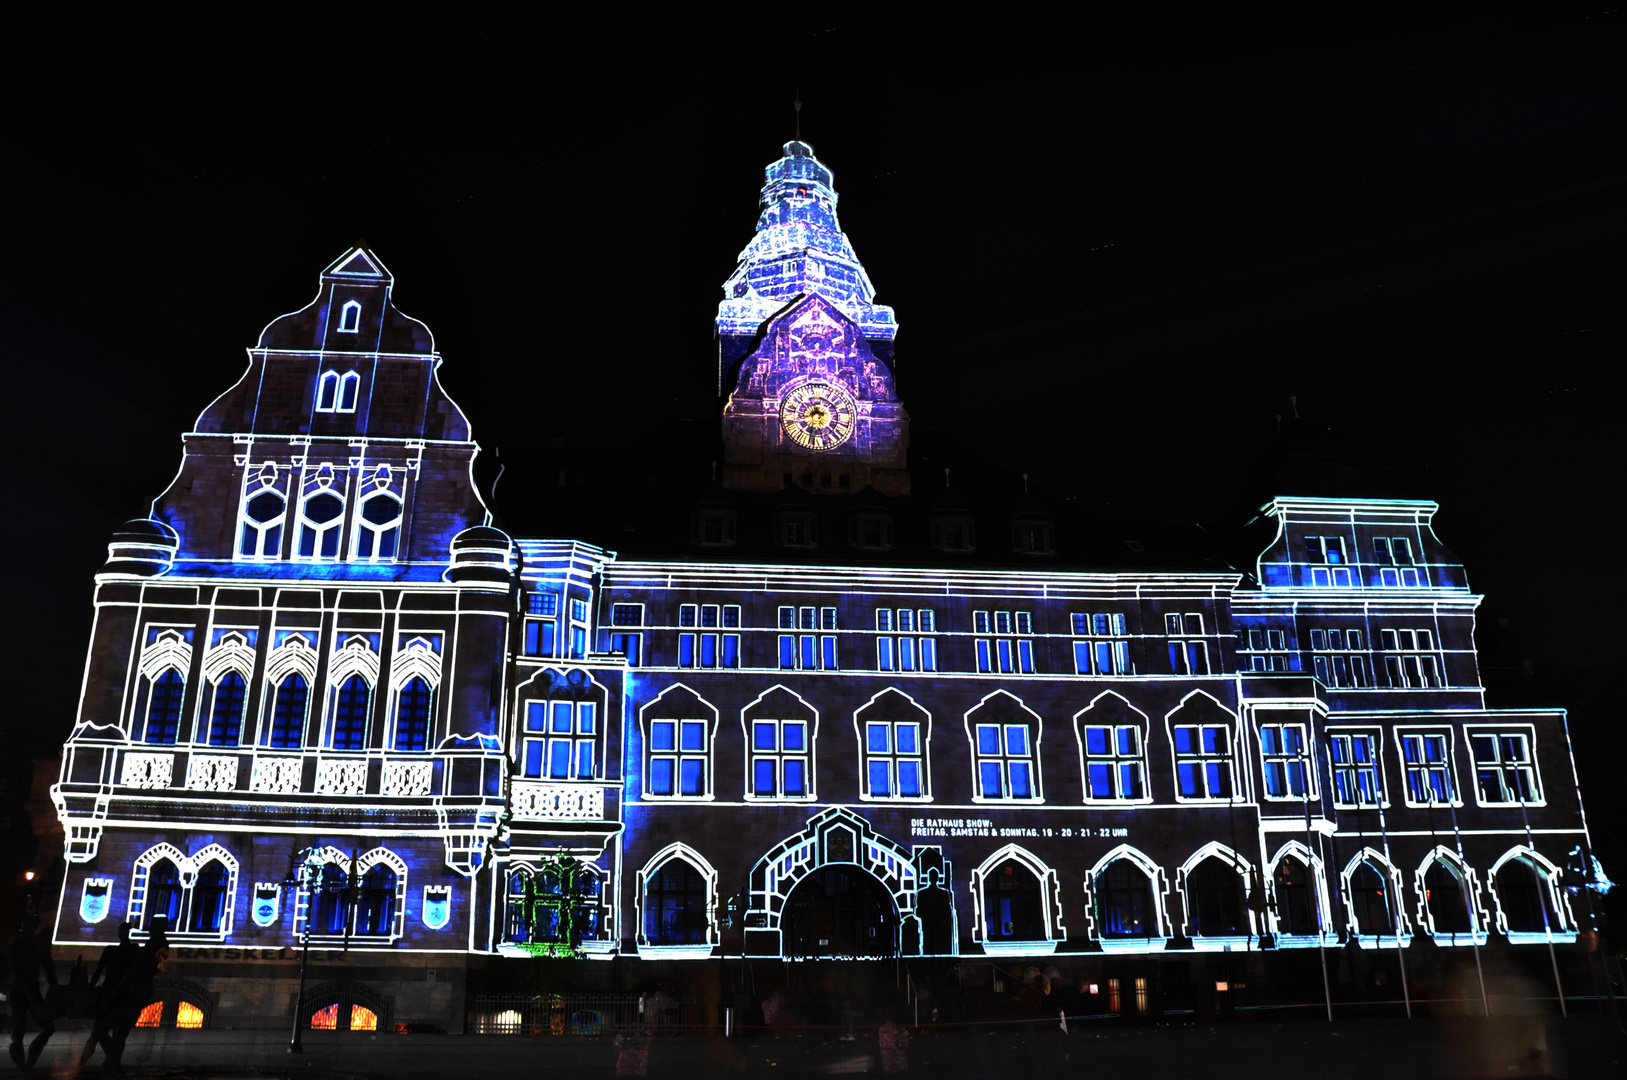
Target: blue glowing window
(539,603)
(350,317)
(375,901)
(692,777)
(779,759)
(884,654)
(626,614)
(378,527)
(350,714)
(788,657)
(884,619)
(1203,765)
(686,650)
(288,714)
(226,715)
(694,735)
(788,618)
(983,656)
(322,516)
(539,637)
(809,661)
(209,897)
(663,735)
(164,708)
(412,716)
(263,516)
(661,776)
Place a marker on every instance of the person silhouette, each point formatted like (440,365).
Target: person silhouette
(30,955)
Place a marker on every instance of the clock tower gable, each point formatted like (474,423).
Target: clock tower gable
(813,405)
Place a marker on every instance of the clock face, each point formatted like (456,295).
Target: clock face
(818,415)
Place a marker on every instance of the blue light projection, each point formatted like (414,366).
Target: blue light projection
(799,249)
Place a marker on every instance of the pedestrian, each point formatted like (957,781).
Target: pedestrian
(30,956)
(113,963)
(119,1011)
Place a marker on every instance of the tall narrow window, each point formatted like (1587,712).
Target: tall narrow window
(349,386)
(226,710)
(327,391)
(350,317)
(1124,903)
(1285,760)
(210,895)
(412,711)
(779,759)
(1190,655)
(263,514)
(287,731)
(1429,772)
(164,708)
(1370,901)
(375,901)
(164,894)
(321,516)
(378,527)
(675,902)
(1297,907)
(894,760)
(350,714)
(1357,780)
(1203,761)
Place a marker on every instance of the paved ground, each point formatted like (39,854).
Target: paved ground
(1583,1047)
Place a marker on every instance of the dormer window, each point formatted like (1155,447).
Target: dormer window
(712,526)
(1033,536)
(350,317)
(870,531)
(336,392)
(796,529)
(953,532)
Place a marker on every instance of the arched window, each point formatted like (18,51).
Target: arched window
(521,898)
(1445,899)
(1370,900)
(263,514)
(1296,900)
(378,527)
(226,710)
(349,384)
(675,900)
(412,711)
(320,518)
(538,903)
(287,731)
(1214,898)
(350,714)
(1013,904)
(329,903)
(164,708)
(375,901)
(327,391)
(350,317)
(1526,899)
(1124,907)
(209,898)
(164,893)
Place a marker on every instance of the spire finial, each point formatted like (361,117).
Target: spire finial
(797,105)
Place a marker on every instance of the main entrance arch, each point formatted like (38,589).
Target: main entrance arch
(836,889)
(839,912)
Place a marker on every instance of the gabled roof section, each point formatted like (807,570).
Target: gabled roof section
(813,337)
(358,264)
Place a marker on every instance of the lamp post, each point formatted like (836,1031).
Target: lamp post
(305,873)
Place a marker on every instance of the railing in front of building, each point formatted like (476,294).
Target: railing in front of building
(544,800)
(284,773)
(590,1014)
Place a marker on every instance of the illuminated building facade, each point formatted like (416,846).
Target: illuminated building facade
(911,735)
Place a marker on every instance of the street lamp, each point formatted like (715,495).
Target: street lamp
(305,872)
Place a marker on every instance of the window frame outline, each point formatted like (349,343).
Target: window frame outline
(414,658)
(1470,884)
(649,950)
(1549,875)
(1402,930)
(751,753)
(295,656)
(351,305)
(1084,758)
(255,485)
(1400,731)
(925,722)
(232,655)
(1157,888)
(1530,732)
(1214,849)
(351,657)
(1239,795)
(1308,757)
(1297,849)
(1036,733)
(645,719)
(1377,735)
(1050,891)
(168,650)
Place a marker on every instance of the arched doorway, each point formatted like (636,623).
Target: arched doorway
(1124,903)
(1369,901)
(1446,900)
(1214,898)
(1296,901)
(1013,904)
(839,911)
(1526,899)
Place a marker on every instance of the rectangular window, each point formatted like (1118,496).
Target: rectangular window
(788,618)
(788,651)
(1113,764)
(1504,769)
(688,614)
(731,616)
(538,603)
(983,655)
(709,616)
(895,765)
(558,741)
(579,611)
(539,637)
(827,618)
(1357,780)
(1203,761)
(679,757)
(806,619)
(1410,659)
(884,654)
(1187,657)
(709,650)
(629,645)
(929,654)
(884,619)
(1004,757)
(779,759)
(905,653)
(1429,768)
(626,614)
(1337,658)
(1286,760)
(827,652)
(980,622)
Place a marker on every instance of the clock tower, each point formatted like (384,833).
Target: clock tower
(804,353)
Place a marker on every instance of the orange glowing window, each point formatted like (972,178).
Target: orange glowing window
(151,1015)
(363,1019)
(325,1019)
(188,1015)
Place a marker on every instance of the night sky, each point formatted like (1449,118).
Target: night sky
(1115,250)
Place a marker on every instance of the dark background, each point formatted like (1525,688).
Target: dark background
(1116,250)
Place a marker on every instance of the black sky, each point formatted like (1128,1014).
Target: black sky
(1115,249)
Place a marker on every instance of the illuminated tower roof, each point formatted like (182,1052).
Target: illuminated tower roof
(799,248)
